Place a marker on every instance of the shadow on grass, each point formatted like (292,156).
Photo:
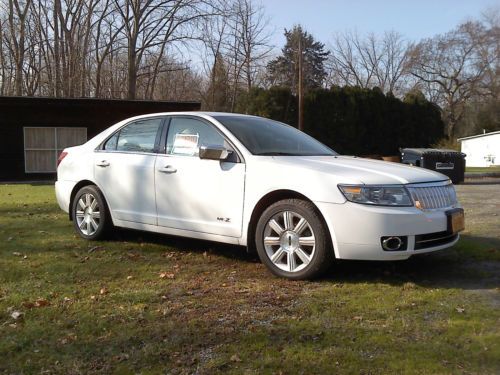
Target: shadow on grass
(469,265)
(184,244)
(460,267)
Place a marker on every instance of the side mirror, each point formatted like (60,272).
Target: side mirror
(213,152)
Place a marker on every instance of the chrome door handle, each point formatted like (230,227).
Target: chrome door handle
(103,163)
(167,169)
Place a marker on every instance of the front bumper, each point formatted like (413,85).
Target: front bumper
(357,229)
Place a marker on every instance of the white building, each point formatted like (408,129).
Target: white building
(483,150)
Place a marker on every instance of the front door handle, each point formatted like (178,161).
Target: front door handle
(103,163)
(168,169)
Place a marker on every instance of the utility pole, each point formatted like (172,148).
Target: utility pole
(300,90)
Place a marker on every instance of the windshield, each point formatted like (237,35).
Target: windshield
(267,137)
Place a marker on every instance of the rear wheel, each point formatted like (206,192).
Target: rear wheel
(292,240)
(90,215)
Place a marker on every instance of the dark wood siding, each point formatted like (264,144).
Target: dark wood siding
(93,114)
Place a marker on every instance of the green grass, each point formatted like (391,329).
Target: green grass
(102,307)
(493,169)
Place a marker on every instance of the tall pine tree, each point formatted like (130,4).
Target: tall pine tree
(284,70)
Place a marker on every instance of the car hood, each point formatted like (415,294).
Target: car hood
(354,170)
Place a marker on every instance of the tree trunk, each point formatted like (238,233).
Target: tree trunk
(132,73)
(57,5)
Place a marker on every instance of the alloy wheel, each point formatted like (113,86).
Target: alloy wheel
(289,241)
(88,214)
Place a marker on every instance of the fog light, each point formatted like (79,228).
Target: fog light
(394,243)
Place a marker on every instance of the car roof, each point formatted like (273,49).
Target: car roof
(195,113)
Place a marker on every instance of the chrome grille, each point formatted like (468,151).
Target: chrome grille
(431,197)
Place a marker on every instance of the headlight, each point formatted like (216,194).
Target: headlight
(389,195)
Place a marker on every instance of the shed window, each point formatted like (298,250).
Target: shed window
(42,146)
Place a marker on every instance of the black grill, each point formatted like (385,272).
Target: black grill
(424,241)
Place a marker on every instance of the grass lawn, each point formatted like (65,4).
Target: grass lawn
(494,169)
(143,303)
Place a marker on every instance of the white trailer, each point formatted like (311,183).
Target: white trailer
(483,150)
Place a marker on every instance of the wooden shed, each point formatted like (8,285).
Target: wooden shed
(33,131)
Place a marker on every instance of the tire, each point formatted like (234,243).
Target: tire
(292,240)
(90,213)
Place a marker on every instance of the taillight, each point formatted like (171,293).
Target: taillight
(62,155)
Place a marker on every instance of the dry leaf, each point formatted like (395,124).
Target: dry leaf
(94,248)
(16,315)
(129,277)
(235,358)
(167,275)
(40,302)
(460,310)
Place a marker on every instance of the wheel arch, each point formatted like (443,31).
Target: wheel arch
(75,190)
(273,197)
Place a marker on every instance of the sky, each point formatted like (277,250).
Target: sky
(415,19)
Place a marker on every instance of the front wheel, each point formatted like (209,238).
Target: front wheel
(292,240)
(90,215)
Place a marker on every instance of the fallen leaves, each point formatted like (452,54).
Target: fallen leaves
(40,302)
(167,275)
(235,358)
(67,339)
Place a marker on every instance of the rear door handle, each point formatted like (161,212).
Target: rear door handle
(103,163)
(168,169)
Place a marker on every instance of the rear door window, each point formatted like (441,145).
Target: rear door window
(138,136)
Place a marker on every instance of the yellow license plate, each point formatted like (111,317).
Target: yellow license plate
(457,221)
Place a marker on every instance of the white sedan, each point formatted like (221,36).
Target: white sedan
(251,181)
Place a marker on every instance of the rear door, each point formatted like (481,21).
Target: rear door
(124,170)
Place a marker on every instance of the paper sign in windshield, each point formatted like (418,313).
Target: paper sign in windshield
(185,144)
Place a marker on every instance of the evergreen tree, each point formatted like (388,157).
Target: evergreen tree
(284,70)
(217,95)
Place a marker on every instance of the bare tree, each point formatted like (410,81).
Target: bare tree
(17,16)
(215,37)
(238,34)
(3,60)
(251,27)
(152,24)
(452,65)
(105,41)
(369,61)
